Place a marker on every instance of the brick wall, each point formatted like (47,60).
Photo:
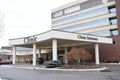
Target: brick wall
(118,13)
(108,52)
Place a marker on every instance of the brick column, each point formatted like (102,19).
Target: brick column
(117,3)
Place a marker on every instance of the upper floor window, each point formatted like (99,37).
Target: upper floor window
(114,32)
(112,9)
(113,21)
(72,9)
(83,15)
(57,14)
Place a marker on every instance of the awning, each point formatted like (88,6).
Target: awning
(64,38)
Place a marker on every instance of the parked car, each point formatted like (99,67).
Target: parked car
(38,61)
(5,62)
(52,64)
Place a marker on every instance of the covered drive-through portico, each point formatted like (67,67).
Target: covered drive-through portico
(56,38)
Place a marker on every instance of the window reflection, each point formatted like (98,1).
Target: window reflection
(114,32)
(112,10)
(85,14)
(113,20)
(72,9)
(99,33)
(57,14)
(85,24)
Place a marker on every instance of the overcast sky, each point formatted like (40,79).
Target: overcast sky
(26,17)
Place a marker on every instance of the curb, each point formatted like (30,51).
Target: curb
(58,69)
(103,69)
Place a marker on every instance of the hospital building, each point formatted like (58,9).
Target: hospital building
(90,24)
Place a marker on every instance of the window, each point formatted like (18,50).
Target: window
(85,24)
(112,9)
(114,32)
(99,33)
(81,15)
(113,21)
(57,14)
(72,9)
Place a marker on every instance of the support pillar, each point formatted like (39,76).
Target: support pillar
(34,54)
(54,49)
(39,54)
(97,54)
(66,61)
(14,55)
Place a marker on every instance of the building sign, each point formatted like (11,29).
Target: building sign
(30,39)
(87,37)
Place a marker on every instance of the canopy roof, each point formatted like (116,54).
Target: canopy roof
(64,38)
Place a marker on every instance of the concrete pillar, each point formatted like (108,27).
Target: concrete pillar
(39,53)
(66,61)
(54,49)
(97,54)
(14,54)
(34,54)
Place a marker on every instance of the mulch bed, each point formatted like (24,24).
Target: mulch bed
(80,66)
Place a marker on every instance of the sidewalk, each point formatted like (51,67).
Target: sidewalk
(41,67)
(3,79)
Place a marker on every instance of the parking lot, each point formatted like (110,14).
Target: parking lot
(12,73)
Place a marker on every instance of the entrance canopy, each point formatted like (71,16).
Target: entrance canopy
(64,38)
(56,38)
